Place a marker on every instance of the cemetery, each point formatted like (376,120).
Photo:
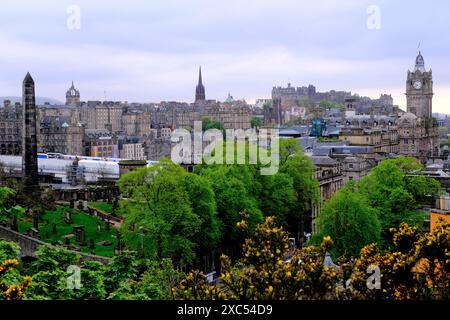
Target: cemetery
(74,229)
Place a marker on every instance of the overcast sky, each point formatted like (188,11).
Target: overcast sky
(149,51)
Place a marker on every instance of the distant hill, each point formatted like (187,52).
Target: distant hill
(39,100)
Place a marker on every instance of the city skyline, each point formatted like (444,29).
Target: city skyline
(153,54)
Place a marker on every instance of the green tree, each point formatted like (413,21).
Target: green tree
(50,274)
(277,196)
(306,187)
(160,221)
(331,104)
(348,219)
(208,123)
(203,203)
(7,207)
(288,148)
(235,189)
(256,122)
(398,190)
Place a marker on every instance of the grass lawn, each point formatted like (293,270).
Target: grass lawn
(62,229)
(104,206)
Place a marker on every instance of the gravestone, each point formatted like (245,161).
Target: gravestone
(35,222)
(14,225)
(68,217)
(85,205)
(80,205)
(80,234)
(91,244)
(99,227)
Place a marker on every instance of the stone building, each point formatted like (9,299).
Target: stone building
(355,168)
(102,115)
(290,95)
(133,151)
(61,134)
(383,139)
(231,117)
(10,129)
(108,115)
(100,143)
(329,173)
(136,123)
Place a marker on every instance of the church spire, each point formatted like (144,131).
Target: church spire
(200,76)
(200,89)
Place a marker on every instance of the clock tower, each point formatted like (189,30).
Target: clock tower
(419,90)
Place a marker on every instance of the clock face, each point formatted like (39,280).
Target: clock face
(417,84)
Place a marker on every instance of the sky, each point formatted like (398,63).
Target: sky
(150,51)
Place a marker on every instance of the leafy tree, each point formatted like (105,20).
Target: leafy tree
(208,123)
(397,190)
(121,269)
(330,104)
(92,276)
(203,203)
(301,169)
(256,122)
(349,220)
(159,279)
(277,196)
(7,207)
(288,148)
(50,274)
(161,222)
(234,187)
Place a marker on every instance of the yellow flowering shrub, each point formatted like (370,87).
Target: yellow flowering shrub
(416,266)
(15,291)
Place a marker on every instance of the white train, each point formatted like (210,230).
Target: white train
(58,165)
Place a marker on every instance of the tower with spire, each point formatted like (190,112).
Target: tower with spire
(419,89)
(418,130)
(30,173)
(200,89)
(72,96)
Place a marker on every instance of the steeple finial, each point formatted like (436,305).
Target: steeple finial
(200,75)
(420,63)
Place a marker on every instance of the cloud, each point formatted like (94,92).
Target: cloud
(140,52)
